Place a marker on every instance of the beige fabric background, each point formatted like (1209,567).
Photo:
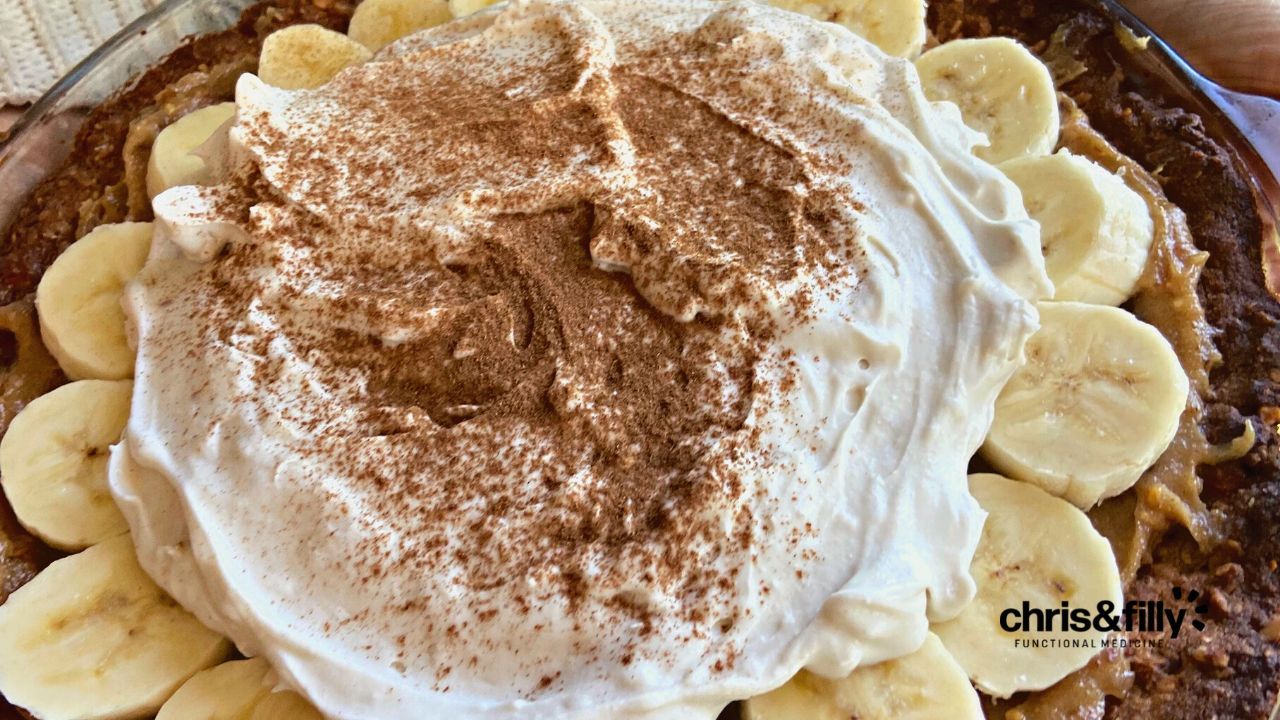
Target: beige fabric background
(40,40)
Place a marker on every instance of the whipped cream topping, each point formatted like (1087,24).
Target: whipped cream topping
(577,359)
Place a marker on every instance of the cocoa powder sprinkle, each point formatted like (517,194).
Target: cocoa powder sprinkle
(539,375)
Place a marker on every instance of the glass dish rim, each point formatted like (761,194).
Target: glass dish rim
(33,115)
(1262,170)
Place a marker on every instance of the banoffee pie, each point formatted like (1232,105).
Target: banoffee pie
(574,359)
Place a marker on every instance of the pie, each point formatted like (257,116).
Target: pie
(580,358)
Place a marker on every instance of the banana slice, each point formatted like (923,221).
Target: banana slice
(1039,551)
(378,23)
(53,463)
(285,705)
(803,697)
(237,690)
(1001,89)
(78,301)
(895,26)
(93,638)
(301,57)
(229,691)
(926,685)
(172,161)
(463,8)
(1096,233)
(1096,404)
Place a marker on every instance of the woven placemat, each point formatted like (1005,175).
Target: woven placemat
(40,40)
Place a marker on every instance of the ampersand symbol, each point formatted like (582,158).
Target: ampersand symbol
(1104,620)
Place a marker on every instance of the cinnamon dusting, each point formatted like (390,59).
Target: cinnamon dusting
(541,375)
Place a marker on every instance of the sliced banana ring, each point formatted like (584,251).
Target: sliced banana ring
(925,685)
(229,691)
(53,463)
(236,690)
(1039,551)
(895,26)
(93,638)
(301,57)
(1001,89)
(803,696)
(1097,402)
(78,301)
(1096,233)
(173,161)
(378,23)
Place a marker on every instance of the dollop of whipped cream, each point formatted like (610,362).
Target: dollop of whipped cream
(575,360)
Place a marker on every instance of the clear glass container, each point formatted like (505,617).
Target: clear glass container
(40,140)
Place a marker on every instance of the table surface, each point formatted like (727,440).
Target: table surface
(1235,42)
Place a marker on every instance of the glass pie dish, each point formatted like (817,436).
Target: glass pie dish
(44,138)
